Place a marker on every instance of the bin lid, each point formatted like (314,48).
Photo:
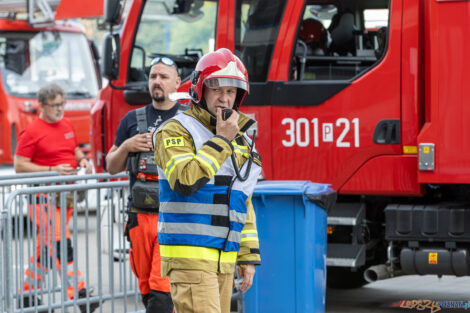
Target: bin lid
(321,194)
(290,187)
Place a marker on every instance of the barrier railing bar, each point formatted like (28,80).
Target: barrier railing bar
(70,303)
(7,254)
(63,188)
(29,175)
(61,179)
(75,251)
(63,250)
(110,247)
(87,261)
(98,240)
(3,218)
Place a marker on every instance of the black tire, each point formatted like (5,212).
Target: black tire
(344,278)
(13,140)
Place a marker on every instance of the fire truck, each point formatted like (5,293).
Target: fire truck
(36,50)
(366,95)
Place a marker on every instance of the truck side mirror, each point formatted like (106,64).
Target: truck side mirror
(15,56)
(111,55)
(112,10)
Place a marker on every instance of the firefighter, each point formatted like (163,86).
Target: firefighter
(133,148)
(205,163)
(49,143)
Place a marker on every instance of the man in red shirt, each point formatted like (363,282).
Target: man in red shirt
(49,143)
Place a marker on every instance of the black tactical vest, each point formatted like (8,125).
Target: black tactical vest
(142,165)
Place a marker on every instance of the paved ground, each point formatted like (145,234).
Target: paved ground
(388,295)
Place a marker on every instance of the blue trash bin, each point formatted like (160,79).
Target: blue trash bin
(291,221)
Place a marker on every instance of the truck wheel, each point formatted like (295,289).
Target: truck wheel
(13,140)
(344,278)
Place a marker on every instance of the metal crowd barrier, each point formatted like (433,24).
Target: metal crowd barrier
(29,175)
(6,188)
(8,183)
(32,269)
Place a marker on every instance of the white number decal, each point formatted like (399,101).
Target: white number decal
(356,132)
(298,132)
(315,132)
(289,132)
(339,141)
(327,132)
(306,130)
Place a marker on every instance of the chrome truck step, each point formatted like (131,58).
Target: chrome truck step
(345,255)
(350,214)
(345,245)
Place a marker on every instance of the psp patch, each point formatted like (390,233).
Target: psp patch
(173,142)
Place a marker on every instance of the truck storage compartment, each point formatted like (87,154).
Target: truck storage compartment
(429,223)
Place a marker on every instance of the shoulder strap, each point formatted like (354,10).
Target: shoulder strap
(182,107)
(141,115)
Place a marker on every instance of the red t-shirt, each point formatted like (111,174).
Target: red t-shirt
(48,144)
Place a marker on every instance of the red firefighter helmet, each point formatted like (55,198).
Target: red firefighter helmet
(313,32)
(220,68)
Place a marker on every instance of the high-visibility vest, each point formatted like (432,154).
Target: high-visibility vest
(205,218)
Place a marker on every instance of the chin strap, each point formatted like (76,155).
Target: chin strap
(250,161)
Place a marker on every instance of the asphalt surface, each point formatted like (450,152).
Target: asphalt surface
(388,295)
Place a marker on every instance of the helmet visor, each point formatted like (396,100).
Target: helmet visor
(226,82)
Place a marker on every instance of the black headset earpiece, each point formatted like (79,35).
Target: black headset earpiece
(194,77)
(193,95)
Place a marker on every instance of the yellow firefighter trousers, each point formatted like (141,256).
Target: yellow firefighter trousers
(195,291)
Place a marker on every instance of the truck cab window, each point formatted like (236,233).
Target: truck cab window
(28,60)
(341,40)
(256,27)
(182,32)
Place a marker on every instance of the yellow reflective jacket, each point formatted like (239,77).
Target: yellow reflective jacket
(175,154)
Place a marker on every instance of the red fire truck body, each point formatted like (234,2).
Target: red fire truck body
(32,55)
(374,106)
